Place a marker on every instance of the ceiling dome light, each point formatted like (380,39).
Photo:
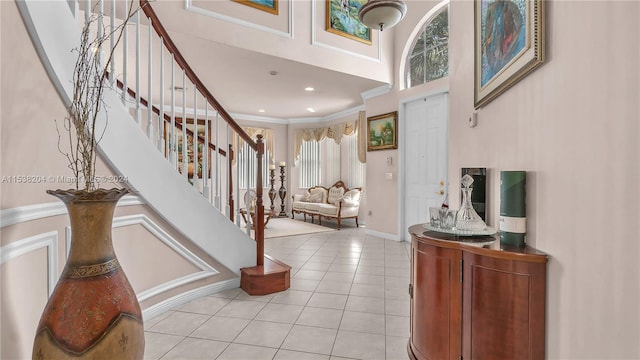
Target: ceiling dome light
(382,14)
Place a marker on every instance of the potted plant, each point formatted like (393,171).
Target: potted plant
(93,311)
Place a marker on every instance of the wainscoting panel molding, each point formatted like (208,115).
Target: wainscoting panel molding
(47,240)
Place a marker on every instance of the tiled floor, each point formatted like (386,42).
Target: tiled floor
(348,300)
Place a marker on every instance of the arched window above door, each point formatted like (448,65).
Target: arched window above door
(429,56)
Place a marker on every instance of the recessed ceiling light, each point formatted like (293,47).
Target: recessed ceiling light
(260,110)
(311,109)
(309,88)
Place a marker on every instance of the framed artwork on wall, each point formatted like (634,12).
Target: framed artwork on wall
(342,19)
(270,6)
(509,44)
(382,131)
(187,153)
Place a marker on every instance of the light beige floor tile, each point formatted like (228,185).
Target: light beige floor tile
(263,333)
(358,345)
(206,305)
(396,348)
(309,274)
(397,326)
(327,318)
(334,287)
(365,304)
(323,259)
(347,260)
(403,272)
(149,323)
(339,276)
(263,298)
(369,279)
(297,355)
(292,297)
(179,323)
(369,263)
(229,294)
(363,322)
(310,339)
(196,349)
(242,309)
(367,290)
(329,301)
(371,270)
(283,313)
(247,352)
(319,281)
(221,328)
(156,345)
(303,284)
(345,268)
(398,307)
(315,266)
(294,257)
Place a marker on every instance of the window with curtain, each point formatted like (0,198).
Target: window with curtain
(357,170)
(247,176)
(429,57)
(309,164)
(333,161)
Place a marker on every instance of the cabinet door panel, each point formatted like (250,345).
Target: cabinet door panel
(436,303)
(501,300)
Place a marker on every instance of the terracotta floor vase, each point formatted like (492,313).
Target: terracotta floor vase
(93,312)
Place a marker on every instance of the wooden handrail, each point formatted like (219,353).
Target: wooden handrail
(171,47)
(257,146)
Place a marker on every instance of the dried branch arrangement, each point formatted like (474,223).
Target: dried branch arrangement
(90,79)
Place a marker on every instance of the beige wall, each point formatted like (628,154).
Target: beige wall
(572,124)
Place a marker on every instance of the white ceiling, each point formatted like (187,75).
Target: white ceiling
(239,79)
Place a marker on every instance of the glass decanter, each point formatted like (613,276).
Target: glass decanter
(467,218)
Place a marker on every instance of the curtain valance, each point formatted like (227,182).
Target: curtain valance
(253,132)
(335,132)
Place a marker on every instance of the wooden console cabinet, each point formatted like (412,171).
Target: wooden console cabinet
(470,302)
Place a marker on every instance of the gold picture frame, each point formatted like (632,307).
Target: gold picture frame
(509,44)
(270,6)
(382,131)
(342,19)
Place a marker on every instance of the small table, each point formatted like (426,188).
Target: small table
(267,216)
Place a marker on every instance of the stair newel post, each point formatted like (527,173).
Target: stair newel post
(259,225)
(231,156)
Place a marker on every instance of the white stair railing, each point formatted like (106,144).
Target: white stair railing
(192,130)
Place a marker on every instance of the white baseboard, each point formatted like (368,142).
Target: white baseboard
(185,297)
(382,235)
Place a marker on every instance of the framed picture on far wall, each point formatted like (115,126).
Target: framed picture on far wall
(382,131)
(509,44)
(342,19)
(270,6)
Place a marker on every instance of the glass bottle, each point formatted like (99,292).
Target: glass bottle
(467,218)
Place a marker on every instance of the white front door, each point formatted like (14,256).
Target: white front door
(425,158)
